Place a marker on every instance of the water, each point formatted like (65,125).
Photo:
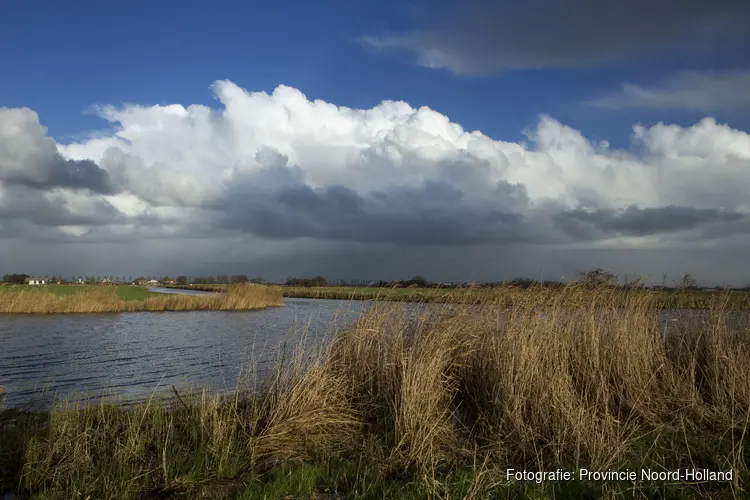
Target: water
(46,358)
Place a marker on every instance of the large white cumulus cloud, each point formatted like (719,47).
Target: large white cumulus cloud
(280,167)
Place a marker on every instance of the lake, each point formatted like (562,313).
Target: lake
(129,355)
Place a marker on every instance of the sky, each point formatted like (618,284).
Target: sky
(367,139)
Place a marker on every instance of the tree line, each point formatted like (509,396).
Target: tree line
(596,278)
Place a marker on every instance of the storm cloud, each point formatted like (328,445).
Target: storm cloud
(635,221)
(702,92)
(28,157)
(267,179)
(481,36)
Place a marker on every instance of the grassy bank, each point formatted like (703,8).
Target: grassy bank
(101,299)
(406,406)
(509,296)
(125,292)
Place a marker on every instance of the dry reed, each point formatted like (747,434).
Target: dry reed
(573,296)
(537,386)
(236,297)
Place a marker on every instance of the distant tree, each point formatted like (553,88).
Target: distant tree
(307,282)
(687,282)
(239,278)
(597,278)
(15,278)
(181,280)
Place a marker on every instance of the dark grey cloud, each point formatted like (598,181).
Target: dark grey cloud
(71,174)
(480,37)
(337,260)
(28,157)
(494,262)
(702,92)
(636,221)
(275,202)
(55,210)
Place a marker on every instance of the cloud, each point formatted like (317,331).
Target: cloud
(482,37)
(634,221)
(28,157)
(271,178)
(54,209)
(689,91)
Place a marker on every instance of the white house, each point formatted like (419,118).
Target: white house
(152,282)
(36,281)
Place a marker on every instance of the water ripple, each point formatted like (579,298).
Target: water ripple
(82,357)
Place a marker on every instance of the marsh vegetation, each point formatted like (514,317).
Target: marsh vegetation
(510,295)
(414,405)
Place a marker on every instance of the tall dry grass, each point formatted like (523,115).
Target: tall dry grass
(537,386)
(573,296)
(235,297)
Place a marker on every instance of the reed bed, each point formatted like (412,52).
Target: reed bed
(433,403)
(235,297)
(574,295)
(206,288)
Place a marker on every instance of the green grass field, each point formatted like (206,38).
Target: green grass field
(125,292)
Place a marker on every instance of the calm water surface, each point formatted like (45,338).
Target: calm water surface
(46,358)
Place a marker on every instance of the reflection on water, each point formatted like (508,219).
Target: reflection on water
(127,355)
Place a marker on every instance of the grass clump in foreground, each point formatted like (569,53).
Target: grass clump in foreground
(408,404)
(102,299)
